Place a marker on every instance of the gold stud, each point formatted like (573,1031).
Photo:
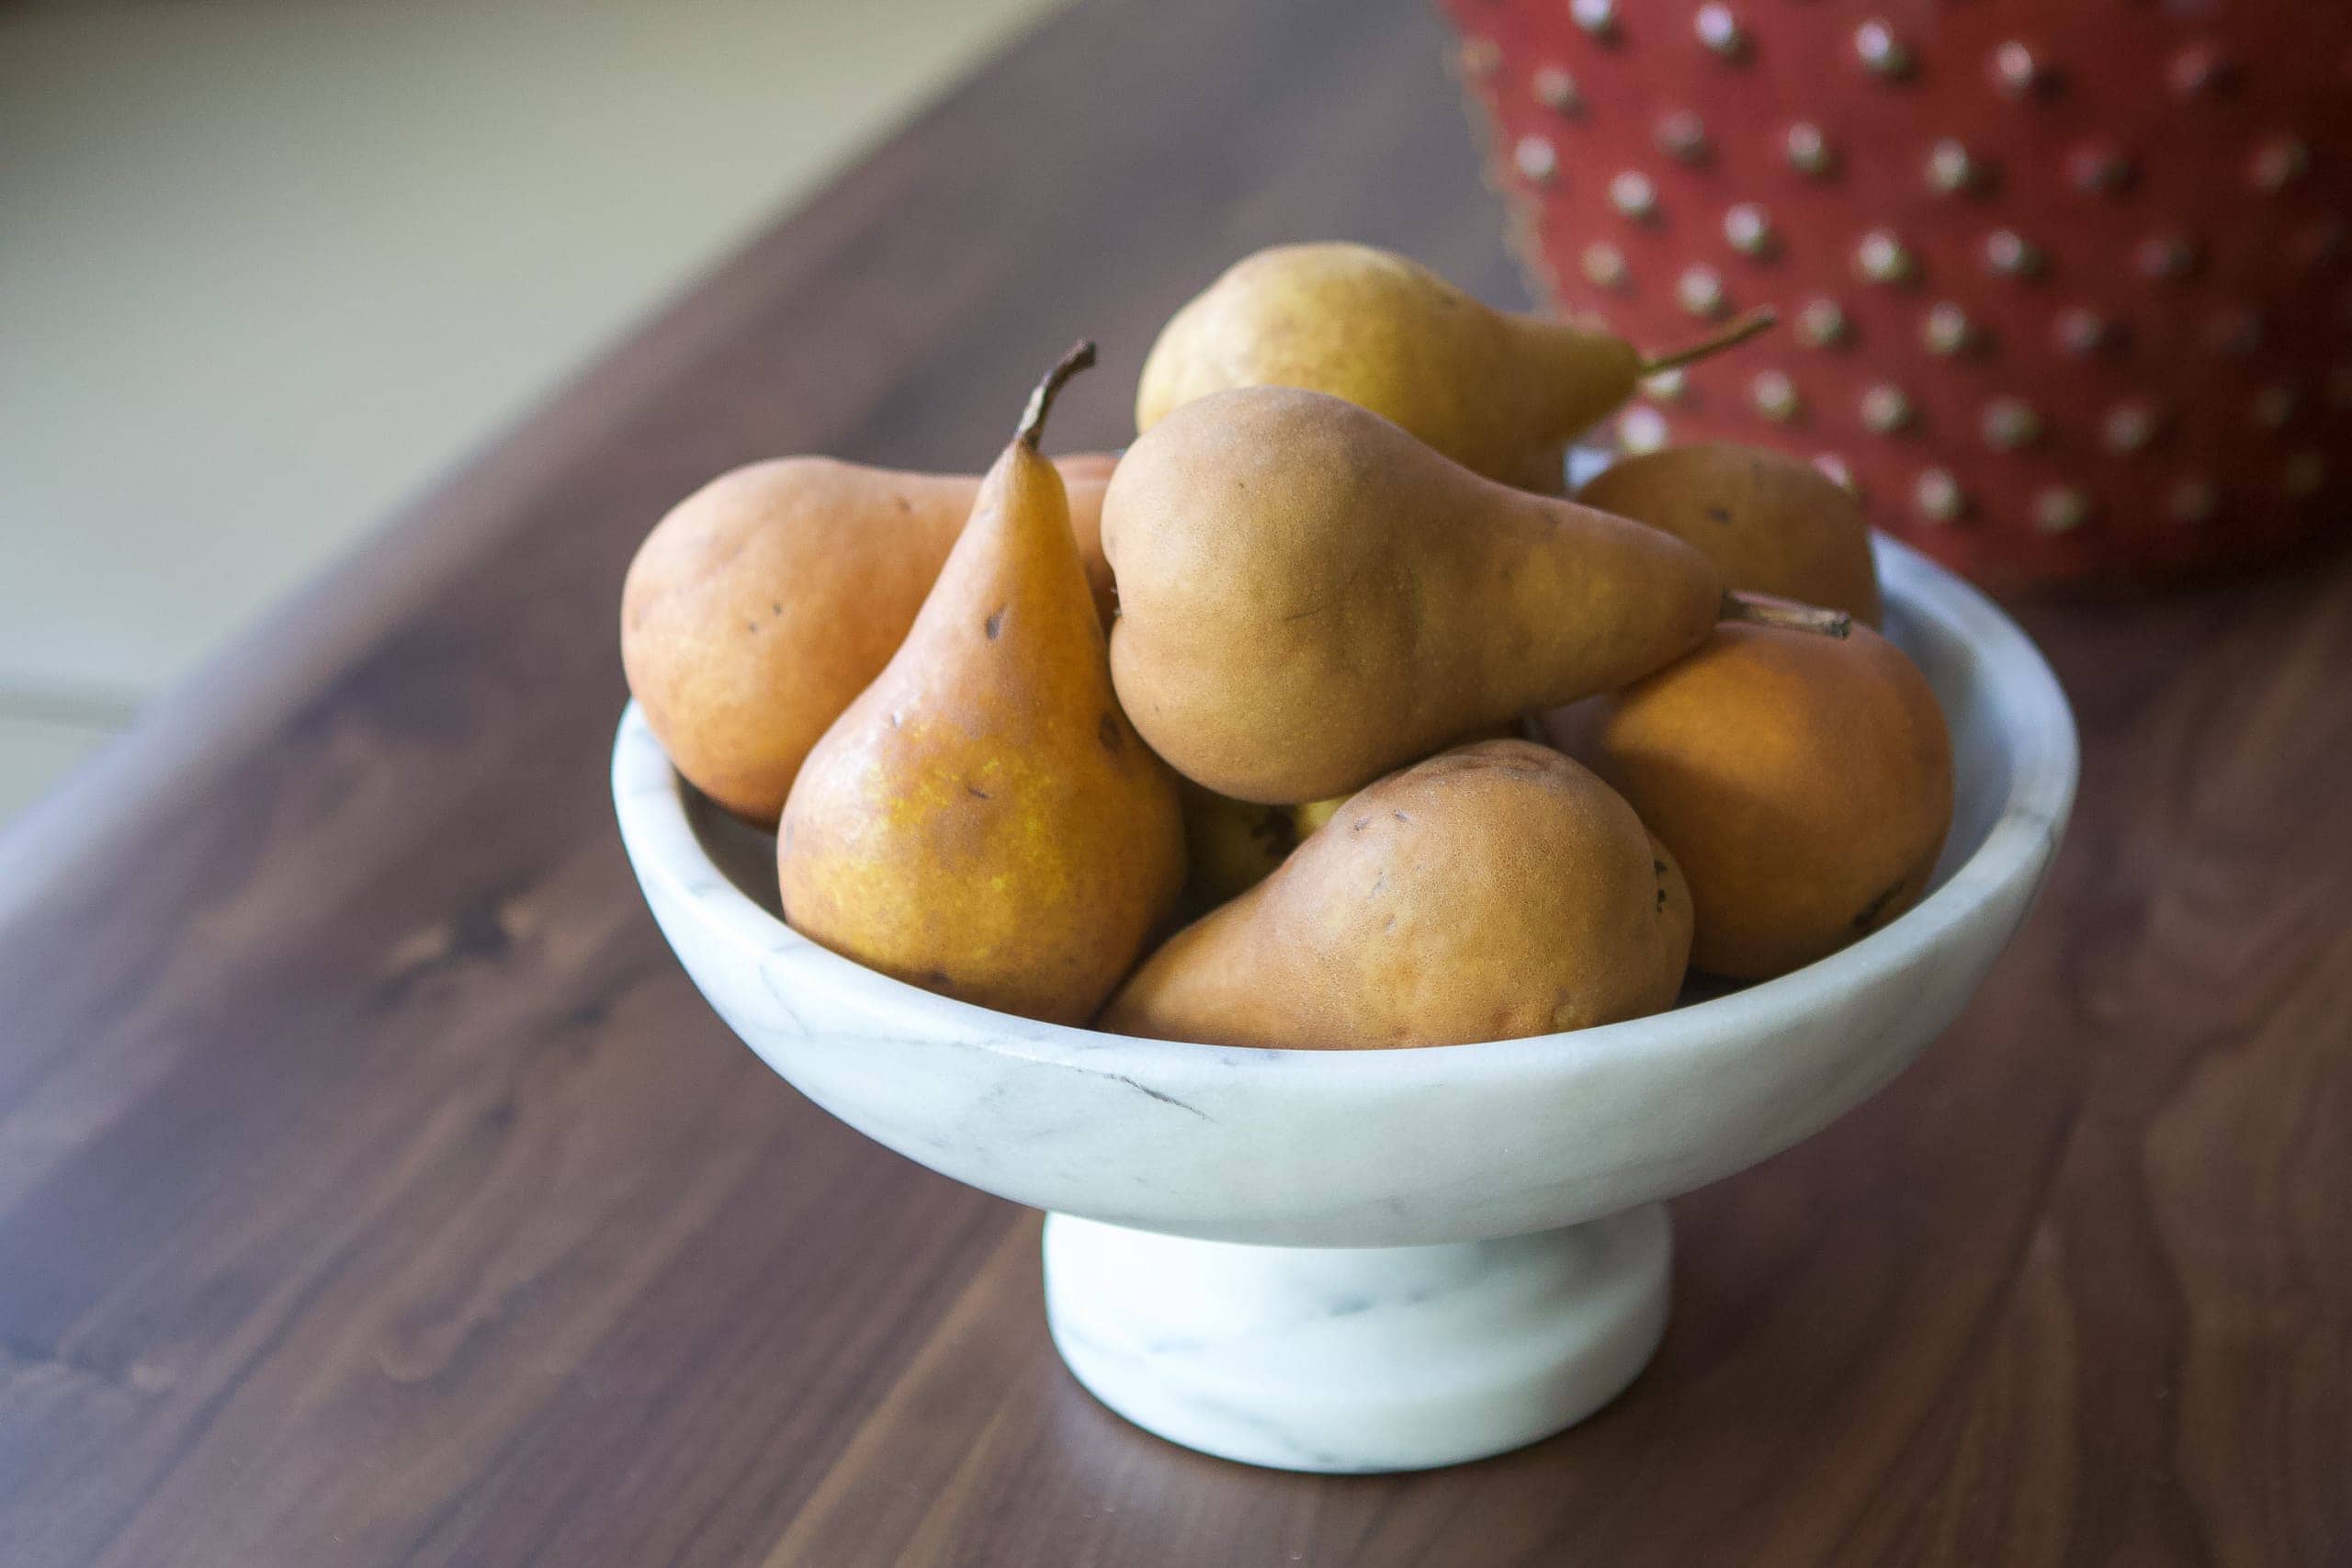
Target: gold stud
(1642,429)
(2274,406)
(1604,266)
(2193,500)
(2061,510)
(2129,427)
(2011,254)
(1557,91)
(1879,50)
(2165,256)
(1537,158)
(1822,323)
(1719,31)
(1809,151)
(1952,169)
(2083,332)
(1598,17)
(1938,497)
(2304,474)
(2010,424)
(1946,330)
(1775,396)
(1882,257)
(1747,229)
(2017,70)
(1682,136)
(1632,194)
(1699,291)
(1886,409)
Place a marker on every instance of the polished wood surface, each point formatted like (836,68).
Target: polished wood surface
(375,1188)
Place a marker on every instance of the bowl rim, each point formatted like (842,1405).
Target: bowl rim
(657,829)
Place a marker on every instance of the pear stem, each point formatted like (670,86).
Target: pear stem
(1032,418)
(1758,610)
(1757,321)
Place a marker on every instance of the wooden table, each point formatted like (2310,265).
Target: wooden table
(375,1188)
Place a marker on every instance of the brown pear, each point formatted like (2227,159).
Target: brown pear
(768,599)
(1499,392)
(1309,597)
(983,821)
(1774,522)
(1804,783)
(1493,891)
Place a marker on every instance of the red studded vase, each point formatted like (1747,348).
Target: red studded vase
(2065,285)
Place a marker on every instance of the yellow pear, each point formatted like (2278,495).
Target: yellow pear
(1231,845)
(1805,784)
(1493,891)
(983,821)
(1309,597)
(1496,391)
(763,604)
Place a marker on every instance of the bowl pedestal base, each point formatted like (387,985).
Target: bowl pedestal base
(1357,1360)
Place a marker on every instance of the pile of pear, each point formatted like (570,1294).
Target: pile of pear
(1320,717)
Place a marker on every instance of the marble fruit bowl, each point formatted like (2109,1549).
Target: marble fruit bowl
(1382,1259)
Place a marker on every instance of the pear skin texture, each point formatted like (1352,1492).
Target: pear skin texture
(1805,783)
(1499,392)
(1775,523)
(1493,891)
(768,599)
(983,821)
(1310,598)
(1546,472)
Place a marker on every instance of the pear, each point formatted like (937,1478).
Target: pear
(1493,891)
(1775,523)
(1231,845)
(1310,597)
(983,821)
(1805,783)
(1499,392)
(763,604)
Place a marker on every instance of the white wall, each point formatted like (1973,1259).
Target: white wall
(269,267)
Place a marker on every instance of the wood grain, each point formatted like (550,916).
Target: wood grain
(374,1188)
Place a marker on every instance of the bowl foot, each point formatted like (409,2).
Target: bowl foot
(1355,1359)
